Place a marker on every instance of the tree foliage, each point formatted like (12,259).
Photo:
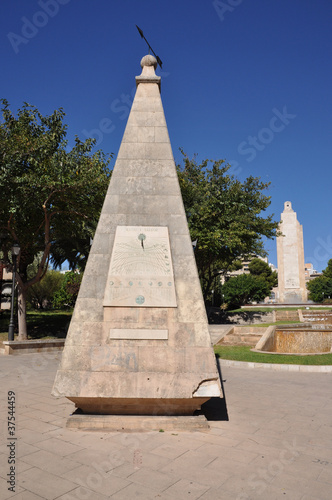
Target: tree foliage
(225,216)
(328,271)
(320,288)
(74,247)
(41,294)
(66,296)
(52,193)
(243,289)
(258,267)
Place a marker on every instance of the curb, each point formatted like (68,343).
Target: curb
(276,367)
(15,347)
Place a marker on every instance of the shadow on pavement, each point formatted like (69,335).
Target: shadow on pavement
(216,408)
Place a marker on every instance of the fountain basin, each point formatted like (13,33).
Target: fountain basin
(298,340)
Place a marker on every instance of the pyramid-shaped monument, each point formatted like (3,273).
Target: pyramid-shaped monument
(138,342)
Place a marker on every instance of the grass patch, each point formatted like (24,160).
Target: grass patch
(243,353)
(40,324)
(265,325)
(263,309)
(270,309)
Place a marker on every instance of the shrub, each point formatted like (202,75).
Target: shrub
(67,295)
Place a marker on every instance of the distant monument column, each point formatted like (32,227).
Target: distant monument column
(290,254)
(138,342)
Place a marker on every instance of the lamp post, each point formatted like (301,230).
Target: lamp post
(15,252)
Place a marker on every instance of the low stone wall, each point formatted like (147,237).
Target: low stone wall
(249,330)
(251,317)
(218,317)
(302,341)
(27,346)
(282,315)
(266,343)
(296,340)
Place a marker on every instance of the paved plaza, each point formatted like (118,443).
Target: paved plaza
(276,444)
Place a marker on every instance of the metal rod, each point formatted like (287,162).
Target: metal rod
(11,322)
(150,48)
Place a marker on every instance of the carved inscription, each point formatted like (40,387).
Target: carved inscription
(292,283)
(141,271)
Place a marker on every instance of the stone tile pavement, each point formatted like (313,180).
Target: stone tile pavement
(277,443)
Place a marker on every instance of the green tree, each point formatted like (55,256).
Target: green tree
(328,271)
(225,216)
(258,267)
(41,294)
(66,296)
(49,190)
(74,247)
(243,289)
(320,288)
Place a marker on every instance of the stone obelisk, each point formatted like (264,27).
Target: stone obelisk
(290,255)
(138,342)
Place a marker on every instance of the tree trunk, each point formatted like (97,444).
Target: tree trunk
(22,313)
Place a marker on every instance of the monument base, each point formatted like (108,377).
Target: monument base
(136,423)
(293,298)
(138,406)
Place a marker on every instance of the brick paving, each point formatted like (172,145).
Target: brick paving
(276,444)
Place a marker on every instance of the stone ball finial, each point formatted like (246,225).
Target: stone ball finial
(149,60)
(148,75)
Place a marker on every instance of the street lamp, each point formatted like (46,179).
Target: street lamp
(15,252)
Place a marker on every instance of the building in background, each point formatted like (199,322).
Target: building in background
(244,269)
(5,287)
(310,273)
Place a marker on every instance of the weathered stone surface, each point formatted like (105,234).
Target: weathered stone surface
(137,334)
(116,360)
(90,333)
(134,384)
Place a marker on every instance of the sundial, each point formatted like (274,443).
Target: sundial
(150,48)
(141,270)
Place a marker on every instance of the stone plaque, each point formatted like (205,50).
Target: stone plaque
(141,271)
(138,334)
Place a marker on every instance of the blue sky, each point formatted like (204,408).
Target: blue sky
(246,81)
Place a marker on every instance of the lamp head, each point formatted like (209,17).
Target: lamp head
(16,249)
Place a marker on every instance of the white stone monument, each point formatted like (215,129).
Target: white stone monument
(138,342)
(290,254)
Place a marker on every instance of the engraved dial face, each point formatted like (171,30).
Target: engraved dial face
(141,271)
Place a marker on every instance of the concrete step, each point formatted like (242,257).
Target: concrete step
(218,332)
(317,316)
